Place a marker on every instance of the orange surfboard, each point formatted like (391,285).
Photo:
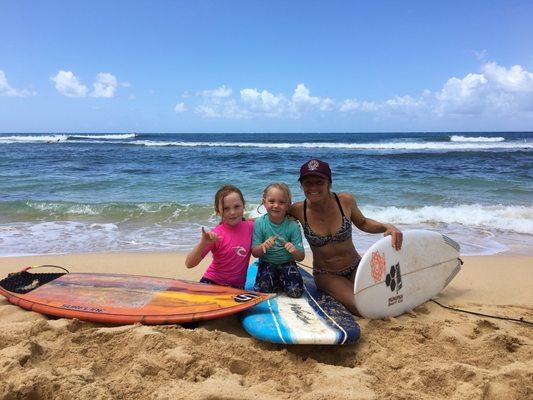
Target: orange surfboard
(124,299)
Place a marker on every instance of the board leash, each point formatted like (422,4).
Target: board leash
(304,265)
(521,319)
(46,266)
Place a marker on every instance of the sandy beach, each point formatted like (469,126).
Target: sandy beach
(428,353)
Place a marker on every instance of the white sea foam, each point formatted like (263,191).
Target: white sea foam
(33,139)
(59,138)
(479,229)
(105,137)
(57,208)
(383,146)
(517,219)
(458,138)
(510,218)
(456,143)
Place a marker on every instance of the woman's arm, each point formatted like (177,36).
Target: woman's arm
(372,226)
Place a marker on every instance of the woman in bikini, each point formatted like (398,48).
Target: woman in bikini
(327,219)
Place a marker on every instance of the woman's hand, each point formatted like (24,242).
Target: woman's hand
(396,236)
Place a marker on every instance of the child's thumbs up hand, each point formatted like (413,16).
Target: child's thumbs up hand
(267,244)
(289,247)
(209,237)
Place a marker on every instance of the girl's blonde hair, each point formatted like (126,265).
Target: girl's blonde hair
(281,186)
(221,195)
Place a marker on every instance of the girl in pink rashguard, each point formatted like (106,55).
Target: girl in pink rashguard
(230,242)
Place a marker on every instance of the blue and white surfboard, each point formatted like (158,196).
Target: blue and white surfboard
(314,318)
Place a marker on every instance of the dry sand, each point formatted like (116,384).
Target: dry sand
(430,353)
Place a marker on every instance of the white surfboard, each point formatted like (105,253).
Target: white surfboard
(390,282)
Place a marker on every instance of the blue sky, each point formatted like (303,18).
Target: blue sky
(270,66)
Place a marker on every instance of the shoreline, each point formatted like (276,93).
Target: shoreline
(428,353)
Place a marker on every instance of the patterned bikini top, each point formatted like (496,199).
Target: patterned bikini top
(343,234)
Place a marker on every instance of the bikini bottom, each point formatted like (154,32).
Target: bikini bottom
(345,273)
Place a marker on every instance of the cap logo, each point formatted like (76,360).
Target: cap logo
(312,165)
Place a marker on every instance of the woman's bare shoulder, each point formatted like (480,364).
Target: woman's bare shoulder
(296,209)
(346,198)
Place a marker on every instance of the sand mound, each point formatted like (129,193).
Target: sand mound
(427,354)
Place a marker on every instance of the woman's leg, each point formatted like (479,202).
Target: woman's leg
(338,287)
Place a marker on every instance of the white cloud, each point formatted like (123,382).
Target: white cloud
(302,101)
(227,109)
(462,96)
(206,111)
(221,92)
(302,95)
(68,85)
(180,108)
(105,86)
(514,79)
(327,104)
(353,105)
(7,90)
(263,101)
(495,90)
(404,105)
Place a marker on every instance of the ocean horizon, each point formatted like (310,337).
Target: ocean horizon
(112,192)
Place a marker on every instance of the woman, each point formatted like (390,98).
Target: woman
(327,219)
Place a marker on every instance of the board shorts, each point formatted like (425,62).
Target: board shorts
(276,277)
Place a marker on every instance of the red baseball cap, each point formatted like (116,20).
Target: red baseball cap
(315,167)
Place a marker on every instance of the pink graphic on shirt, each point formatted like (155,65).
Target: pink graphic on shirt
(231,254)
(240,251)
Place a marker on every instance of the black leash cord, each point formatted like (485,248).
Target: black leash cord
(521,319)
(305,266)
(48,266)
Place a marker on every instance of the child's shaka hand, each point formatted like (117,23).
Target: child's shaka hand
(289,247)
(209,237)
(267,244)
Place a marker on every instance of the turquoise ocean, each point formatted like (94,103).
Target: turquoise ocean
(71,193)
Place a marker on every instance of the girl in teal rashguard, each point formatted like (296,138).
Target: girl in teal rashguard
(277,242)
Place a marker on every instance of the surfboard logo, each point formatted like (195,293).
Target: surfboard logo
(394,281)
(394,278)
(378,265)
(305,316)
(244,297)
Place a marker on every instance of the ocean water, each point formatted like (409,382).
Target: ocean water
(65,193)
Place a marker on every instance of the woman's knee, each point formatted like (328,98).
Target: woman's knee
(340,289)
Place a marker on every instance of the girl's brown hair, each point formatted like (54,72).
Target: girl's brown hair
(281,186)
(222,193)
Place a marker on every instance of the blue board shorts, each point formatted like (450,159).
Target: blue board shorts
(274,277)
